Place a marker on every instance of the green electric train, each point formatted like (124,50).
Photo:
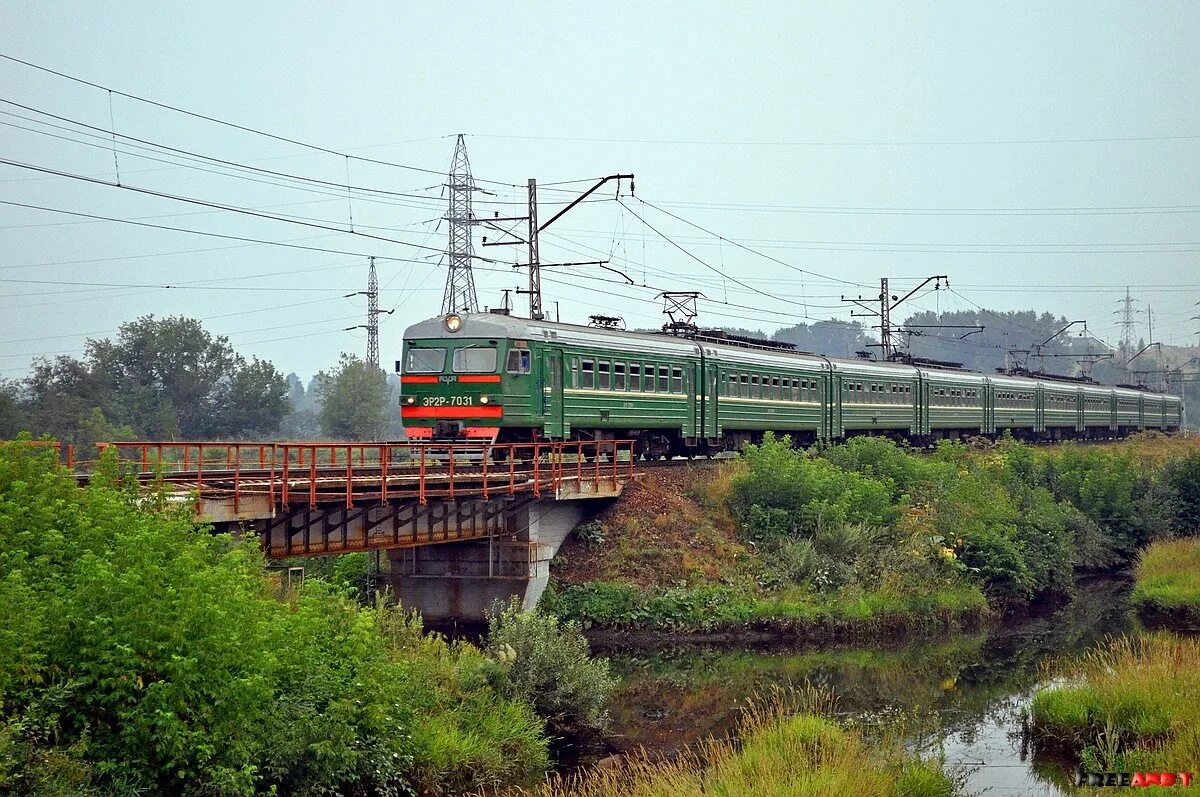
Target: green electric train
(489,377)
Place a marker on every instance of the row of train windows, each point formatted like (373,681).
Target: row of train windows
(634,377)
(1007,398)
(875,393)
(1061,401)
(955,396)
(769,387)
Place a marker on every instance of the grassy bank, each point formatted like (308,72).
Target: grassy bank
(1131,705)
(717,610)
(869,537)
(778,753)
(1168,581)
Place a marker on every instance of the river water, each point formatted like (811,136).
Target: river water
(971,691)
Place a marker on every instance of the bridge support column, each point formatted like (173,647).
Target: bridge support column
(461,580)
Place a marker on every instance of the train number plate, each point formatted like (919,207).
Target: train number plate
(448,401)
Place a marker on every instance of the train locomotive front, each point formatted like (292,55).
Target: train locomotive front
(464,378)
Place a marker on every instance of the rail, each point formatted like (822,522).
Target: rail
(319,473)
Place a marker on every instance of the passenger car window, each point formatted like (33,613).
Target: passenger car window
(664,384)
(635,377)
(425,361)
(602,378)
(588,374)
(676,380)
(618,376)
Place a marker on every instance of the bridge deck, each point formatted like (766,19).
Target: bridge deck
(244,481)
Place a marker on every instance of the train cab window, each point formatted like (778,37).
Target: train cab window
(676,380)
(588,374)
(618,376)
(425,361)
(635,377)
(603,376)
(474,360)
(518,361)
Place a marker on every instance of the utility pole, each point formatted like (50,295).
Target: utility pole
(535,264)
(530,239)
(460,282)
(888,303)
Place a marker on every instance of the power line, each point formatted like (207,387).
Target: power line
(209,234)
(155,147)
(936,211)
(232,125)
(705,264)
(747,248)
(818,143)
(208,204)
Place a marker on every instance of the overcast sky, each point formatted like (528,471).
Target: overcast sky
(1042,156)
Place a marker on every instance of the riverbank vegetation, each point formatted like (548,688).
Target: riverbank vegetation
(780,750)
(870,537)
(1131,705)
(140,654)
(1167,584)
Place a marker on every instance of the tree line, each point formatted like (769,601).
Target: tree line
(170,379)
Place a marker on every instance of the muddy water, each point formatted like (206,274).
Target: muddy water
(973,689)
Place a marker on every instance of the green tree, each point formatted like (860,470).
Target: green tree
(162,378)
(354,400)
(12,414)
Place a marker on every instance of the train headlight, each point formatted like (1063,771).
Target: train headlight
(484,399)
(410,400)
(453,322)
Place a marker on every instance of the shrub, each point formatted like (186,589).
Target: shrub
(783,491)
(546,663)
(1183,475)
(144,655)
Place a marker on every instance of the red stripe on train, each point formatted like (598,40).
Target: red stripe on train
(451,412)
(412,379)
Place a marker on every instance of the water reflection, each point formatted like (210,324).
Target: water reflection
(974,689)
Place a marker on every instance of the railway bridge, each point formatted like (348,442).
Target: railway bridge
(460,525)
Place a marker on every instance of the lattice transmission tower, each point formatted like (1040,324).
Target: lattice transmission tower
(1127,323)
(460,282)
(373,316)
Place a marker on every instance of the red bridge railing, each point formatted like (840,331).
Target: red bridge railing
(312,473)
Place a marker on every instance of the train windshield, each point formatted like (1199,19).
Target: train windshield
(425,361)
(475,360)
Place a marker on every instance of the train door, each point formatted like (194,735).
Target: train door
(833,400)
(1039,408)
(691,391)
(552,394)
(708,368)
(922,399)
(989,406)
(1080,425)
(1141,412)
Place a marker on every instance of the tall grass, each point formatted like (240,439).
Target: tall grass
(1131,704)
(1168,579)
(781,752)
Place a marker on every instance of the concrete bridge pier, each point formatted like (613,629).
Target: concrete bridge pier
(460,580)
